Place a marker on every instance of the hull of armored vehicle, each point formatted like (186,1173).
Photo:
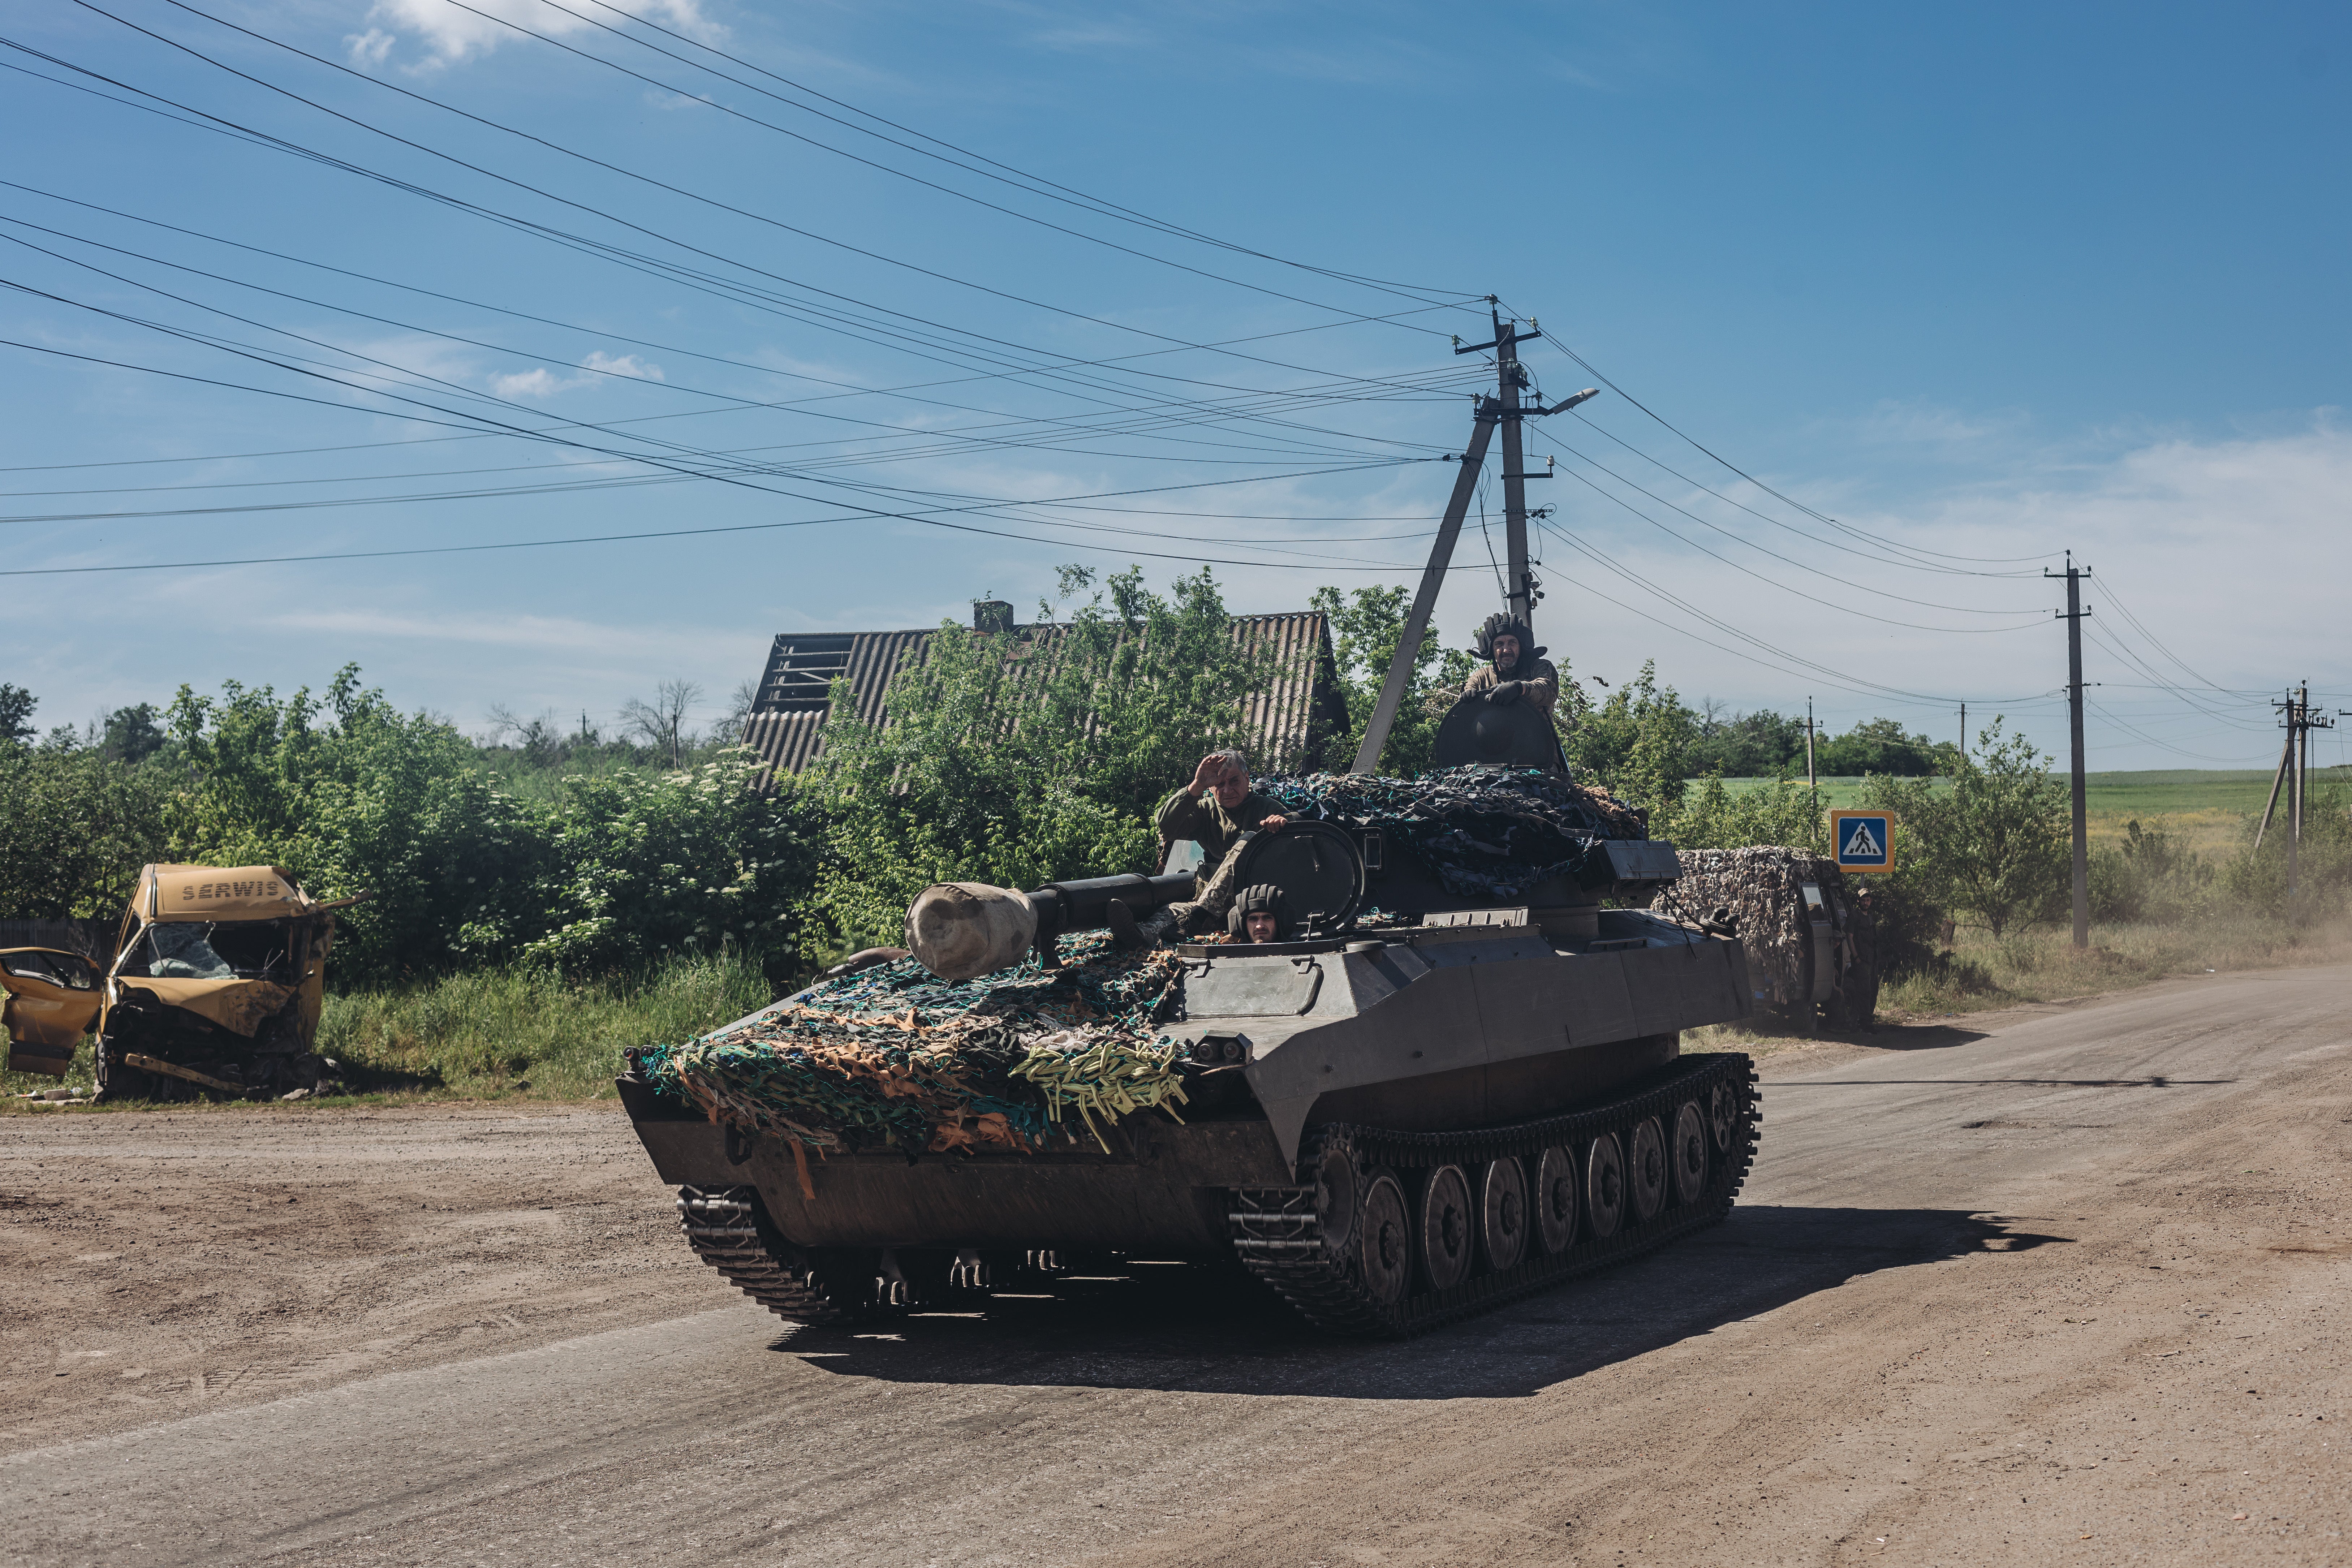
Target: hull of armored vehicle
(1398,1129)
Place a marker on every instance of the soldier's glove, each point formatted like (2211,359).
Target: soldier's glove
(1507,692)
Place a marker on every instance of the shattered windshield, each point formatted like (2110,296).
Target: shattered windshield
(183,952)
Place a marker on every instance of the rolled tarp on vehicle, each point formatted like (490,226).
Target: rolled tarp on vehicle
(961,930)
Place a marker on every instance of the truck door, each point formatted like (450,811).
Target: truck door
(53,998)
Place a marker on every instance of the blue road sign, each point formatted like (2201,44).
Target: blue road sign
(1862,840)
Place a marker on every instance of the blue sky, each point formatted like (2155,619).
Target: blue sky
(1918,299)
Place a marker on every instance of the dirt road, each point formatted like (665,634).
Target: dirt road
(2071,1290)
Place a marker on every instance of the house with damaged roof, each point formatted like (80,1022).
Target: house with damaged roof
(1297,716)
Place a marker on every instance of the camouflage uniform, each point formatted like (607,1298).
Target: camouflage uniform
(1538,681)
(1218,833)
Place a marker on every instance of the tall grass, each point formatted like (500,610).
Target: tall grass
(525,1029)
(2043,965)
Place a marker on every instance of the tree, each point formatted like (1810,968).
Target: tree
(1032,755)
(1712,817)
(131,736)
(1881,746)
(16,706)
(661,725)
(642,867)
(1366,626)
(79,827)
(1638,742)
(353,796)
(1995,843)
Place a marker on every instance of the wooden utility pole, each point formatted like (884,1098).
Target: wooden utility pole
(2074,615)
(1964,732)
(1520,593)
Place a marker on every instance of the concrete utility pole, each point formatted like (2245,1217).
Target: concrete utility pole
(2293,772)
(1964,732)
(1509,377)
(2074,615)
(1520,592)
(1813,784)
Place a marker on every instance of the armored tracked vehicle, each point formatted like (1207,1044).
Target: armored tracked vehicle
(1421,1106)
(1462,1082)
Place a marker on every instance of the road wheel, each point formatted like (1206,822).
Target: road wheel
(1385,1243)
(1645,1169)
(1605,1186)
(1503,1213)
(1335,1194)
(1689,1154)
(1446,1227)
(1555,1199)
(1723,1111)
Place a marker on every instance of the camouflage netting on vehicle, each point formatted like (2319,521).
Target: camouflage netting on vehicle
(896,1056)
(1761,886)
(1487,832)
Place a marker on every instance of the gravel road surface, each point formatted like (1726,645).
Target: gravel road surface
(2068,1286)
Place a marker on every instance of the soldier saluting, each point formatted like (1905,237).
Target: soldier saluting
(1216,810)
(1516,671)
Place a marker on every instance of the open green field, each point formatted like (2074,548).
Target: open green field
(2160,791)
(2207,808)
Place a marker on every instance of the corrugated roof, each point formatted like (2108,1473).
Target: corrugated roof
(1287,722)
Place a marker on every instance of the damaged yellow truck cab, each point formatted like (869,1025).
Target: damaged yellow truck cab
(216,983)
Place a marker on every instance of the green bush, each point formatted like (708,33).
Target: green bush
(1712,817)
(640,866)
(353,797)
(504,1026)
(78,826)
(1995,844)
(2257,878)
(2148,876)
(1018,758)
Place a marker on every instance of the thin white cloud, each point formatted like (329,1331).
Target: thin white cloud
(369,50)
(623,365)
(451,35)
(544,383)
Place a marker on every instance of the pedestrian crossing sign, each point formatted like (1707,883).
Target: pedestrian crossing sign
(1862,840)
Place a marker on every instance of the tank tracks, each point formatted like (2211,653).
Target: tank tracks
(729,1230)
(1333,1250)
(1314,1242)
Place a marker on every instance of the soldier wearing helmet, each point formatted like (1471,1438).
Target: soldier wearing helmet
(1516,669)
(1257,915)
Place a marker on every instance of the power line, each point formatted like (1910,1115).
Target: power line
(797,136)
(557,147)
(815,313)
(848,390)
(1848,609)
(1052,190)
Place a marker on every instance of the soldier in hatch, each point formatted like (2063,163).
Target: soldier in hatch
(1215,810)
(1256,915)
(1516,671)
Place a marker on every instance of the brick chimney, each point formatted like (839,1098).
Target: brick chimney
(992,615)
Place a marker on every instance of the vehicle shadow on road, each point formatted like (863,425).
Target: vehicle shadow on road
(1199,1330)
